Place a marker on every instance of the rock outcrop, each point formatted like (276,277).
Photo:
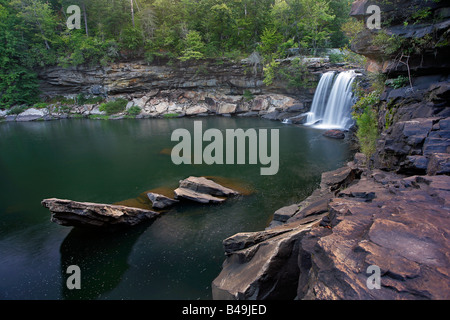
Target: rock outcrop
(95,215)
(357,219)
(421,23)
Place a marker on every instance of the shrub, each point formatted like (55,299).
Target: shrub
(367,121)
(399,82)
(40,105)
(367,133)
(16,110)
(336,58)
(171,115)
(134,111)
(248,95)
(114,107)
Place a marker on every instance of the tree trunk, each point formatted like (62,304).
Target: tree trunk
(85,19)
(132,12)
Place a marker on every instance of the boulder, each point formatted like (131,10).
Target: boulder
(31,114)
(334,134)
(261,265)
(203,185)
(96,111)
(86,214)
(226,108)
(439,164)
(161,202)
(202,190)
(195,110)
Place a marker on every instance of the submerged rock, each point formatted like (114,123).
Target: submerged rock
(85,214)
(334,134)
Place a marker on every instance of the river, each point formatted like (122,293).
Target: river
(175,257)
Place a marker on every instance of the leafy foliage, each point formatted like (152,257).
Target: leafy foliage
(33,33)
(113,107)
(366,116)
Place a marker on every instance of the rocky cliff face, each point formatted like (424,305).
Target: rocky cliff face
(191,88)
(389,214)
(137,77)
(415,138)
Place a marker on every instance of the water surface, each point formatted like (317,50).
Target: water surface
(175,257)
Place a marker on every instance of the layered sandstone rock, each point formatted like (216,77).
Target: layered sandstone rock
(86,214)
(359,218)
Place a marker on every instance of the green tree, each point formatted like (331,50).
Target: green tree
(18,83)
(194,47)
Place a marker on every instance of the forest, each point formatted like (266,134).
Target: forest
(34,33)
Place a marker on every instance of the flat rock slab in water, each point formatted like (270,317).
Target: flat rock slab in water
(203,185)
(203,190)
(85,214)
(196,196)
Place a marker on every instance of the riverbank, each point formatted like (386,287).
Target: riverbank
(324,247)
(174,104)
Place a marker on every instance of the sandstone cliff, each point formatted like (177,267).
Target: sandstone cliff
(391,212)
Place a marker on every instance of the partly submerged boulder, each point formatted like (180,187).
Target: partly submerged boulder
(202,190)
(85,214)
(334,134)
(203,185)
(161,202)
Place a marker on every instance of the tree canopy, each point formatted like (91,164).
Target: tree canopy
(33,33)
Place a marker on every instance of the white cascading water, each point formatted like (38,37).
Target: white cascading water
(331,108)
(320,98)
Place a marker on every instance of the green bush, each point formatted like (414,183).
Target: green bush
(134,111)
(367,131)
(367,121)
(113,107)
(336,57)
(248,95)
(16,110)
(40,105)
(399,82)
(171,115)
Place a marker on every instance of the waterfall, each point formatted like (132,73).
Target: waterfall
(331,108)
(320,98)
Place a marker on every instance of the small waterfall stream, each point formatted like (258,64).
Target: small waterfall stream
(331,107)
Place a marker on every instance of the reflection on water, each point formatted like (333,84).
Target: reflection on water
(180,253)
(102,257)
